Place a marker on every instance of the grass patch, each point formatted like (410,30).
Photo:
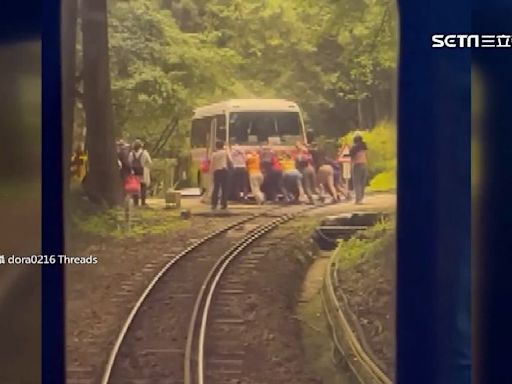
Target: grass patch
(318,345)
(383,182)
(366,243)
(90,219)
(19,189)
(110,223)
(302,226)
(302,229)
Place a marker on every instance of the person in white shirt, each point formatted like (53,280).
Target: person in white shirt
(346,168)
(240,178)
(140,163)
(219,165)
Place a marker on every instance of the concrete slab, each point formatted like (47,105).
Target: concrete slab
(378,201)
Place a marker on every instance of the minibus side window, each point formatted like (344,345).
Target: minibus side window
(199,132)
(221,127)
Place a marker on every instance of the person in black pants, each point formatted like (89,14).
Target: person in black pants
(358,154)
(220,163)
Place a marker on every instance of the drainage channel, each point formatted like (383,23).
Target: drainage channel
(344,226)
(347,337)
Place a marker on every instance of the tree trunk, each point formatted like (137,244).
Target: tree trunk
(376,110)
(68,59)
(359,104)
(360,114)
(393,97)
(103,182)
(68,41)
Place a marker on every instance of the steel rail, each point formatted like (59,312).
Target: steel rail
(135,309)
(338,319)
(204,320)
(202,305)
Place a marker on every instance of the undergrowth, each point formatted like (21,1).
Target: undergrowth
(365,244)
(89,219)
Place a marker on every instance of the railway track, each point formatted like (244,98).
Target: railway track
(184,326)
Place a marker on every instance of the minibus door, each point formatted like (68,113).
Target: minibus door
(210,147)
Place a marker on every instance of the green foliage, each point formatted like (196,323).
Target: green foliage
(384,181)
(110,223)
(92,220)
(169,56)
(382,157)
(329,145)
(365,32)
(366,243)
(158,71)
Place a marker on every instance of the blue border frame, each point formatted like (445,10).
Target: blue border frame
(434,206)
(434,199)
(20,21)
(53,335)
(493,260)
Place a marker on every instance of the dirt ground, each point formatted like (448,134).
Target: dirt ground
(99,297)
(20,288)
(274,352)
(369,287)
(316,333)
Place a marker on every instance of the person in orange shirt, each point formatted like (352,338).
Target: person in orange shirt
(79,164)
(255,176)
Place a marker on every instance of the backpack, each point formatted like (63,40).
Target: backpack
(137,167)
(124,157)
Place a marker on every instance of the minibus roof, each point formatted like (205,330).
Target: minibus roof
(246,105)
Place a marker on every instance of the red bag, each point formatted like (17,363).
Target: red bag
(204,165)
(132,185)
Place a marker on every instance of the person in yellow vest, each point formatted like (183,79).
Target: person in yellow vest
(78,164)
(292,179)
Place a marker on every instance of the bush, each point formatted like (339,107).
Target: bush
(110,223)
(365,243)
(381,142)
(384,181)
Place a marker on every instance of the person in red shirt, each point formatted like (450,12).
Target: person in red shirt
(273,175)
(304,164)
